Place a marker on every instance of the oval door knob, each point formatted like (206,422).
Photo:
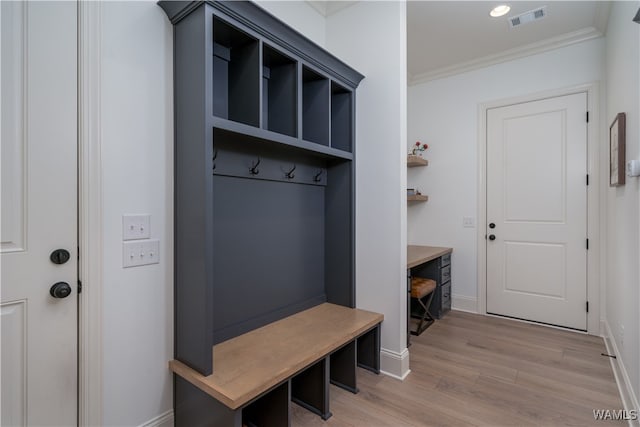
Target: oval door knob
(60,290)
(492,225)
(59,256)
(492,237)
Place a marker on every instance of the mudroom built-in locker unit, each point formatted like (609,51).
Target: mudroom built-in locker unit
(264,192)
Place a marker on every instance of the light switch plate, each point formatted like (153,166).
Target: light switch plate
(140,252)
(136,227)
(633,168)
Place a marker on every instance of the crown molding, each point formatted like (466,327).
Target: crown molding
(319,5)
(601,19)
(328,7)
(553,43)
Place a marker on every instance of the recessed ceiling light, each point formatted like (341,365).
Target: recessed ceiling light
(500,10)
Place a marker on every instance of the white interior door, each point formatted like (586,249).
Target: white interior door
(38,338)
(537,203)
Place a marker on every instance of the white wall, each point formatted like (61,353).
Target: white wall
(444,114)
(137,177)
(376,47)
(300,16)
(623,203)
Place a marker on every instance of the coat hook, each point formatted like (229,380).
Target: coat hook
(254,169)
(215,156)
(316,177)
(290,174)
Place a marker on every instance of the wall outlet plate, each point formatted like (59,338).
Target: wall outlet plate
(136,227)
(633,168)
(140,252)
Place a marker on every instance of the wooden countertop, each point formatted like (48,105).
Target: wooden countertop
(417,255)
(250,364)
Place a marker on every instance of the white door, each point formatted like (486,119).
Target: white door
(38,341)
(537,211)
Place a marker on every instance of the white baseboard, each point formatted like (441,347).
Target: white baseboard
(394,364)
(162,420)
(464,303)
(628,396)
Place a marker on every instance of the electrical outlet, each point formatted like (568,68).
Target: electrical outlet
(136,227)
(468,222)
(140,252)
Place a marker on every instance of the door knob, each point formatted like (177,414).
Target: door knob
(59,256)
(492,237)
(60,290)
(492,225)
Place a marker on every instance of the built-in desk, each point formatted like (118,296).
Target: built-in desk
(431,262)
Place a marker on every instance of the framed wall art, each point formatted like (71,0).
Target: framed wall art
(617,151)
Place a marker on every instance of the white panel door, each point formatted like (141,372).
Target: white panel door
(38,340)
(537,211)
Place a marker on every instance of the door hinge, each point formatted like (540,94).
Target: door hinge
(587,179)
(587,244)
(587,117)
(79,286)
(587,306)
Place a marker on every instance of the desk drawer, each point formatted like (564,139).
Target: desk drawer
(446,296)
(445,260)
(445,274)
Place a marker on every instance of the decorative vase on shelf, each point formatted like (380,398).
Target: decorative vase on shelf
(418,148)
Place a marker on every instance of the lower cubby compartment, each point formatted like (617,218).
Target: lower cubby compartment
(310,388)
(271,409)
(369,350)
(343,367)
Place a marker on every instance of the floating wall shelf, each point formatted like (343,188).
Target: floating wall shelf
(417,198)
(416,161)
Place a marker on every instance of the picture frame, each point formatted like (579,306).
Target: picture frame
(617,151)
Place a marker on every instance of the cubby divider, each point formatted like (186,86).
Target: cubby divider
(279,92)
(315,107)
(236,67)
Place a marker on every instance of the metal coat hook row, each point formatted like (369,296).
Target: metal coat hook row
(215,156)
(290,174)
(316,177)
(254,169)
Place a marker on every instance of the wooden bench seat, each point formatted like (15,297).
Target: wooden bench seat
(251,364)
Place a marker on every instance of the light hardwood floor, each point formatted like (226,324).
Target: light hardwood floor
(476,370)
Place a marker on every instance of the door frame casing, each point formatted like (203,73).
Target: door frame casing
(594,229)
(90,230)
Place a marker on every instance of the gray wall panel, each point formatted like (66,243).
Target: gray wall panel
(269,246)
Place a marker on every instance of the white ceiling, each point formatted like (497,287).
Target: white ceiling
(449,37)
(446,37)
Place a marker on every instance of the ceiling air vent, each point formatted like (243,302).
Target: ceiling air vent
(527,17)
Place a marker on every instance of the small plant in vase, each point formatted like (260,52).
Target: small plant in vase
(419,148)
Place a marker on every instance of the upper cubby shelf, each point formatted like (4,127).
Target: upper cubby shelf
(279,92)
(341,118)
(262,86)
(315,107)
(236,65)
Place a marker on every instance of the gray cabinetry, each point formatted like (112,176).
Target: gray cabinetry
(264,178)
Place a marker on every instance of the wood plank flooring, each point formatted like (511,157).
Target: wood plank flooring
(472,370)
